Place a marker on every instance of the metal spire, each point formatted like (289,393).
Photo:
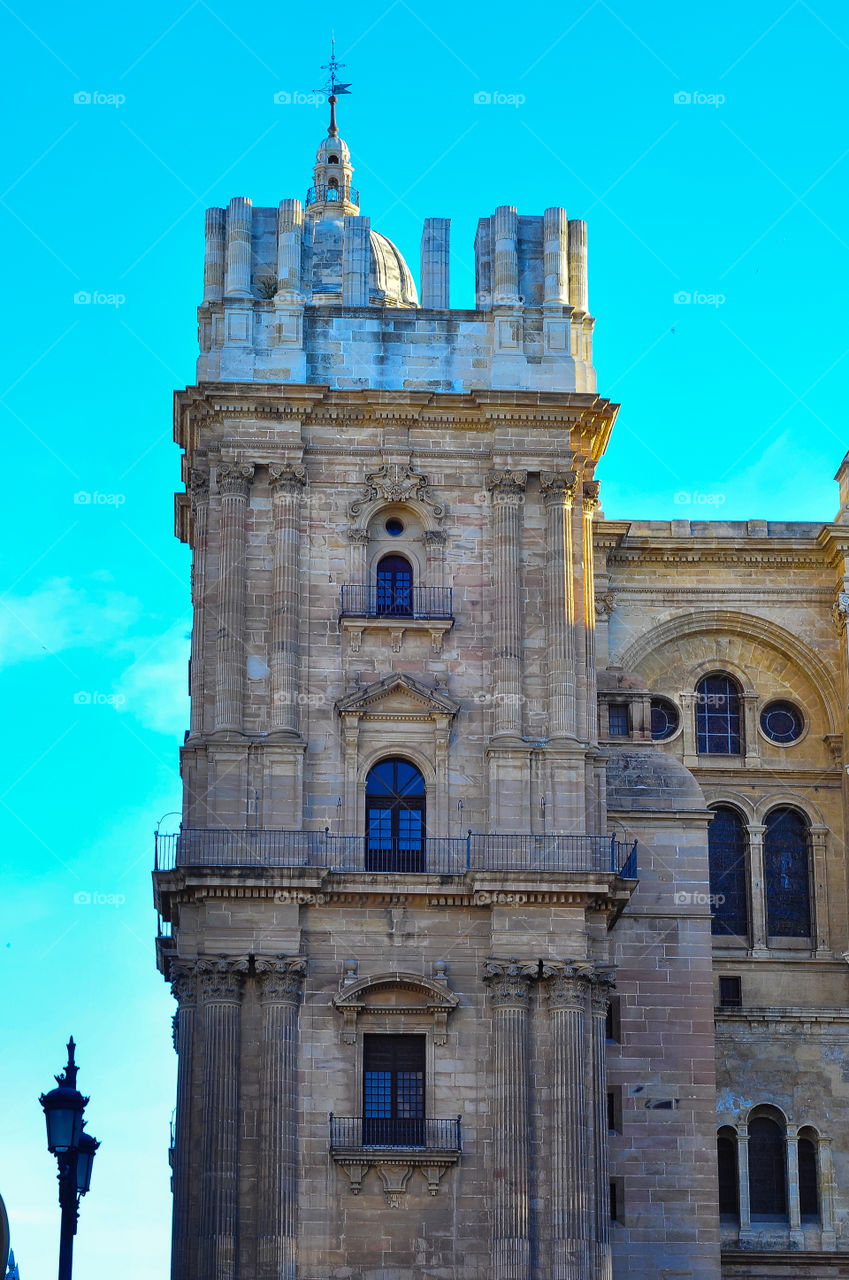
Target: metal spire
(332,86)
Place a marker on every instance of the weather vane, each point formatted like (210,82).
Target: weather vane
(333,87)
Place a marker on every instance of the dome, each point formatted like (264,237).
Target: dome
(650,781)
(390,280)
(331,146)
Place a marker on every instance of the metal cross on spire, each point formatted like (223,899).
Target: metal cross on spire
(333,87)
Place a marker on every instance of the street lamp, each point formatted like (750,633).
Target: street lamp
(74,1150)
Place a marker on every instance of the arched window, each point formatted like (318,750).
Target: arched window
(809,1199)
(395,817)
(718,716)
(726,1160)
(767,1168)
(394,587)
(786,871)
(727,856)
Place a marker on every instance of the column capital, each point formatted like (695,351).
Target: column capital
(198,486)
(182,975)
(557,486)
(280,978)
(234,478)
(509,982)
(507,484)
(286,477)
(591,498)
(434,537)
(221,978)
(567,983)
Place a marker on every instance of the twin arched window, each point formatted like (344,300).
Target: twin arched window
(769,1189)
(786,873)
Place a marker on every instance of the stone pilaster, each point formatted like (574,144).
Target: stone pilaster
(506,265)
(280,987)
(578,289)
(556,260)
(184,987)
(239,222)
(508,496)
(287,486)
(199,493)
(290,227)
(220,988)
(356,261)
(435,262)
(567,989)
(602,981)
(509,983)
(558,488)
(213,265)
(757,888)
(590,701)
(233,485)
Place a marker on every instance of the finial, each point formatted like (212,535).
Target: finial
(69,1076)
(333,87)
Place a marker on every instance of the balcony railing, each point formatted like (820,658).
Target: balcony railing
(314,194)
(356,1133)
(434,855)
(380,601)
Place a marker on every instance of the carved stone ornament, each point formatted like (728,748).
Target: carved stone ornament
(567,983)
(591,498)
(281,978)
(507,484)
(221,978)
(395,483)
(181,975)
(557,486)
(286,477)
(412,995)
(840,610)
(509,981)
(605,604)
(395,1173)
(359,537)
(198,486)
(234,478)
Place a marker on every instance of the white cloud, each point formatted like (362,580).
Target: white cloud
(61,615)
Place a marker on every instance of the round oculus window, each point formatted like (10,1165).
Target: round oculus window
(664,718)
(394,527)
(782,722)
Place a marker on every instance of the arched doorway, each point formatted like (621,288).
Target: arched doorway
(395,817)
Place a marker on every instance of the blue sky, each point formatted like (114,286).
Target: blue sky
(706,149)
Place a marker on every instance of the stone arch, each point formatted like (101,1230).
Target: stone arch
(790,800)
(748,626)
(733,800)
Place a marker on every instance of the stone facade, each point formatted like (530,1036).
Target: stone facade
(400,562)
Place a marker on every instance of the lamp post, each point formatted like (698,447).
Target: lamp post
(74,1150)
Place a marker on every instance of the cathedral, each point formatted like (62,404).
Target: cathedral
(507,919)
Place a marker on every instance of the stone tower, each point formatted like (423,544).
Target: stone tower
(400,925)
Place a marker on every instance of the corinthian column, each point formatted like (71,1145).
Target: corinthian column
(280,984)
(509,983)
(221,997)
(508,496)
(199,491)
(558,489)
(287,485)
(572,1192)
(602,981)
(233,485)
(183,986)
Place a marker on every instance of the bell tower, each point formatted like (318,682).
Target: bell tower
(390,915)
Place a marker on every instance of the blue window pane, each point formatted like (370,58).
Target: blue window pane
(718,717)
(727,855)
(786,870)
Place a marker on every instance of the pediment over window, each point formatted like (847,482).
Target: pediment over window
(398,695)
(396,994)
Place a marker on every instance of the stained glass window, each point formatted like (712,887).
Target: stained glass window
(727,856)
(718,716)
(787,875)
(767,1173)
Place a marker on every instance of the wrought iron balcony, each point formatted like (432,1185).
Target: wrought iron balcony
(433,855)
(357,1133)
(314,194)
(381,601)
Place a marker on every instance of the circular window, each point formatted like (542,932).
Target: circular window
(782,722)
(394,527)
(664,718)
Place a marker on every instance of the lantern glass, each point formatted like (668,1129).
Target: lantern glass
(85,1161)
(63,1112)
